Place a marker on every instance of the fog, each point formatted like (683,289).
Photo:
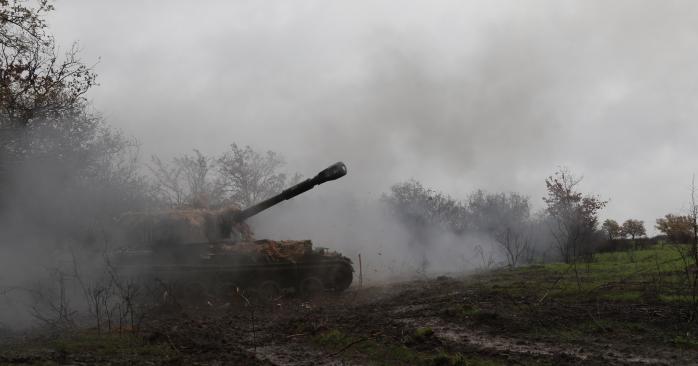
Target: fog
(459,95)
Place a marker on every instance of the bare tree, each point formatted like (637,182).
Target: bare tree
(505,217)
(197,170)
(188,180)
(694,219)
(168,182)
(241,176)
(418,207)
(689,253)
(423,212)
(248,176)
(575,216)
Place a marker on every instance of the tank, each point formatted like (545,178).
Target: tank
(216,250)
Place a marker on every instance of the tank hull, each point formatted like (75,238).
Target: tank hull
(242,270)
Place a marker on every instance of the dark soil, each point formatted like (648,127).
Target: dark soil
(470,321)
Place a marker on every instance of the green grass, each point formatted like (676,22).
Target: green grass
(462,311)
(423,332)
(654,277)
(549,302)
(594,328)
(686,342)
(108,345)
(378,354)
(91,346)
(457,359)
(628,296)
(616,276)
(676,298)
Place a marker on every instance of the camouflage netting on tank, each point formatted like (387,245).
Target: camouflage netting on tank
(286,249)
(270,251)
(181,226)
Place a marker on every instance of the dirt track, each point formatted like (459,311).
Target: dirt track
(382,325)
(435,322)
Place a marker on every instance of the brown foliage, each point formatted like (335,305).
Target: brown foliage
(575,215)
(678,228)
(35,82)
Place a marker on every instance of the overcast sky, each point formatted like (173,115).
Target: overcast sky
(459,95)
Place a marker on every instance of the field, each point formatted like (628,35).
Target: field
(623,308)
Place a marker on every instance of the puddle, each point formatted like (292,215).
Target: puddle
(295,355)
(456,334)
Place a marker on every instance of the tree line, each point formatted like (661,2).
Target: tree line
(564,229)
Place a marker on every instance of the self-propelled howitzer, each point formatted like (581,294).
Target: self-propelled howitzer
(216,249)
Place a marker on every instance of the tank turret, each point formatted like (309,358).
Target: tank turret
(193,226)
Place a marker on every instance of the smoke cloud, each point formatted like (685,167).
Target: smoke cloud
(458,95)
(389,249)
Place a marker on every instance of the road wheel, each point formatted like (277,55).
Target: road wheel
(311,286)
(342,278)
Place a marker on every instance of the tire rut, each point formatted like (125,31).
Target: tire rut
(459,335)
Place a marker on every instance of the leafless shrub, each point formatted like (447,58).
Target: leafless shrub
(249,176)
(487,260)
(241,176)
(188,180)
(131,305)
(689,255)
(51,303)
(97,288)
(506,218)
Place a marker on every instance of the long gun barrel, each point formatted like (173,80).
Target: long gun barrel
(334,171)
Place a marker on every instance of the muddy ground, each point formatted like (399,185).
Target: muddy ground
(498,318)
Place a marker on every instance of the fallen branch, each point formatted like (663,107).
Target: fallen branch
(349,345)
(596,321)
(553,286)
(172,344)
